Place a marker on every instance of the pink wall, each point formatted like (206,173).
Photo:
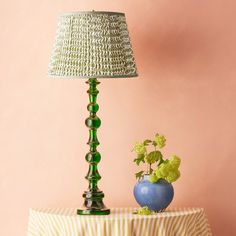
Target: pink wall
(185,52)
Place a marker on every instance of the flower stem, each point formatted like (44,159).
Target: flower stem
(150,168)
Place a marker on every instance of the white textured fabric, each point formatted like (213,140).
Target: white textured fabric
(121,222)
(92,45)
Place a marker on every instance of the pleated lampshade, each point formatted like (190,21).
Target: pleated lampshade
(92,45)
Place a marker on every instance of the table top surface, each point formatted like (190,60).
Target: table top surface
(117,212)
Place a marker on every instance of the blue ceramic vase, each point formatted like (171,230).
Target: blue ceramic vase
(157,196)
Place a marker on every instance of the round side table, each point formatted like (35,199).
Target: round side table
(121,222)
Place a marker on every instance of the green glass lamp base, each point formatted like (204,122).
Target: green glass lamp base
(93,197)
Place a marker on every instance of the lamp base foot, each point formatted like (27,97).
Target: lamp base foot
(93,204)
(92,211)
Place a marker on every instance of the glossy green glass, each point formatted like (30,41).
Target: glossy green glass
(93,203)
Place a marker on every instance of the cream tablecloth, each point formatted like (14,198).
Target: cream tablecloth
(121,222)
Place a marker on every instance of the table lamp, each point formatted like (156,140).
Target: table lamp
(92,45)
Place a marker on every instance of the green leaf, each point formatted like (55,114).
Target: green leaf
(144,211)
(139,174)
(140,158)
(146,142)
(153,157)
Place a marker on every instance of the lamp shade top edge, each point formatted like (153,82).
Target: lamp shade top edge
(92,12)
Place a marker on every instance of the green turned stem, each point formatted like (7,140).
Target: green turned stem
(93,204)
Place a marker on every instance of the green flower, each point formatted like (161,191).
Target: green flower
(173,176)
(139,148)
(163,170)
(175,161)
(153,178)
(160,140)
(144,211)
